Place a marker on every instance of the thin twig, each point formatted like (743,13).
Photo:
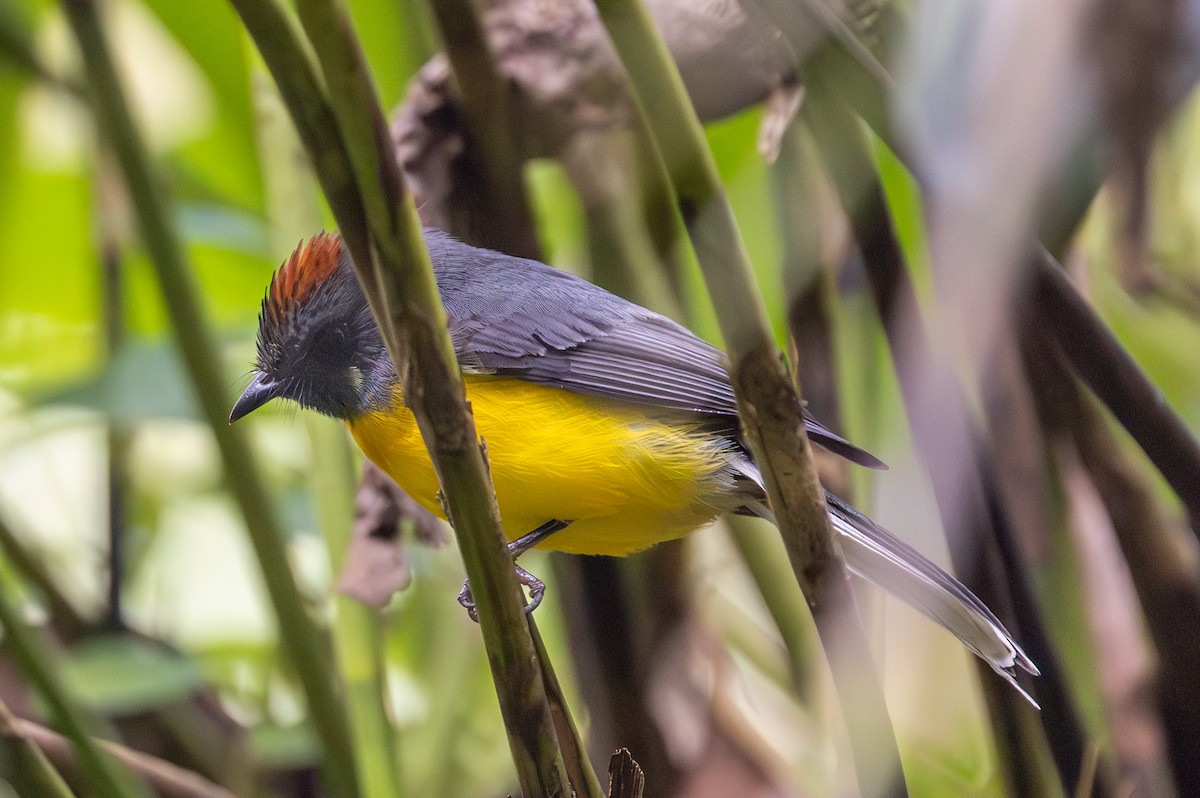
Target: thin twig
(167,779)
(1162,568)
(32,770)
(17,48)
(67,621)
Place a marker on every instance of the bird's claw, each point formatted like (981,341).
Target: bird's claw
(467,600)
(537,590)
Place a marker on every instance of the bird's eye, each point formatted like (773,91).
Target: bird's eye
(328,342)
(328,334)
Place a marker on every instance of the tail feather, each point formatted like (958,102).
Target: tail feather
(879,556)
(876,554)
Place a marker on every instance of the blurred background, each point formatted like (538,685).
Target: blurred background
(892,169)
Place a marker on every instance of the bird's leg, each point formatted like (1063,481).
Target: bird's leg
(537,588)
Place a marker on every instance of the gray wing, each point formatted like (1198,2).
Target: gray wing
(516,317)
(648,361)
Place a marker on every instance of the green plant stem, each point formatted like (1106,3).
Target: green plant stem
(579,769)
(303,92)
(1112,374)
(302,638)
(407,307)
(17,48)
(769,406)
(105,778)
(486,94)
(784,602)
(357,629)
(287,56)
(293,211)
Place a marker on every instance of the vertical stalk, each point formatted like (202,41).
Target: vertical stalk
(118,433)
(303,639)
(293,212)
(347,138)
(769,405)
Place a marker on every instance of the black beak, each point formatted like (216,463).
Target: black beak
(257,394)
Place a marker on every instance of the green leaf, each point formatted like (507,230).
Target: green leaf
(283,747)
(146,380)
(120,674)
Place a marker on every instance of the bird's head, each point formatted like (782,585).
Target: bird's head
(317,342)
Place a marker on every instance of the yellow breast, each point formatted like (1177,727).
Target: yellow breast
(625,480)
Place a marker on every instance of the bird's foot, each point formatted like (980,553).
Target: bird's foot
(537,590)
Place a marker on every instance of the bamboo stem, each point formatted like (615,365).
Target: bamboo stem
(508,227)
(399,284)
(293,211)
(768,404)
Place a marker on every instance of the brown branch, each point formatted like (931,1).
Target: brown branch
(169,780)
(25,765)
(487,100)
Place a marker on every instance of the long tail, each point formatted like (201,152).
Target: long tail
(876,554)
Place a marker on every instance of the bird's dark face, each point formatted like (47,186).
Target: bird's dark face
(317,342)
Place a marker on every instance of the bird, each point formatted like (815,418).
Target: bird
(609,427)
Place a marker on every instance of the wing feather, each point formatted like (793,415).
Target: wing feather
(517,317)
